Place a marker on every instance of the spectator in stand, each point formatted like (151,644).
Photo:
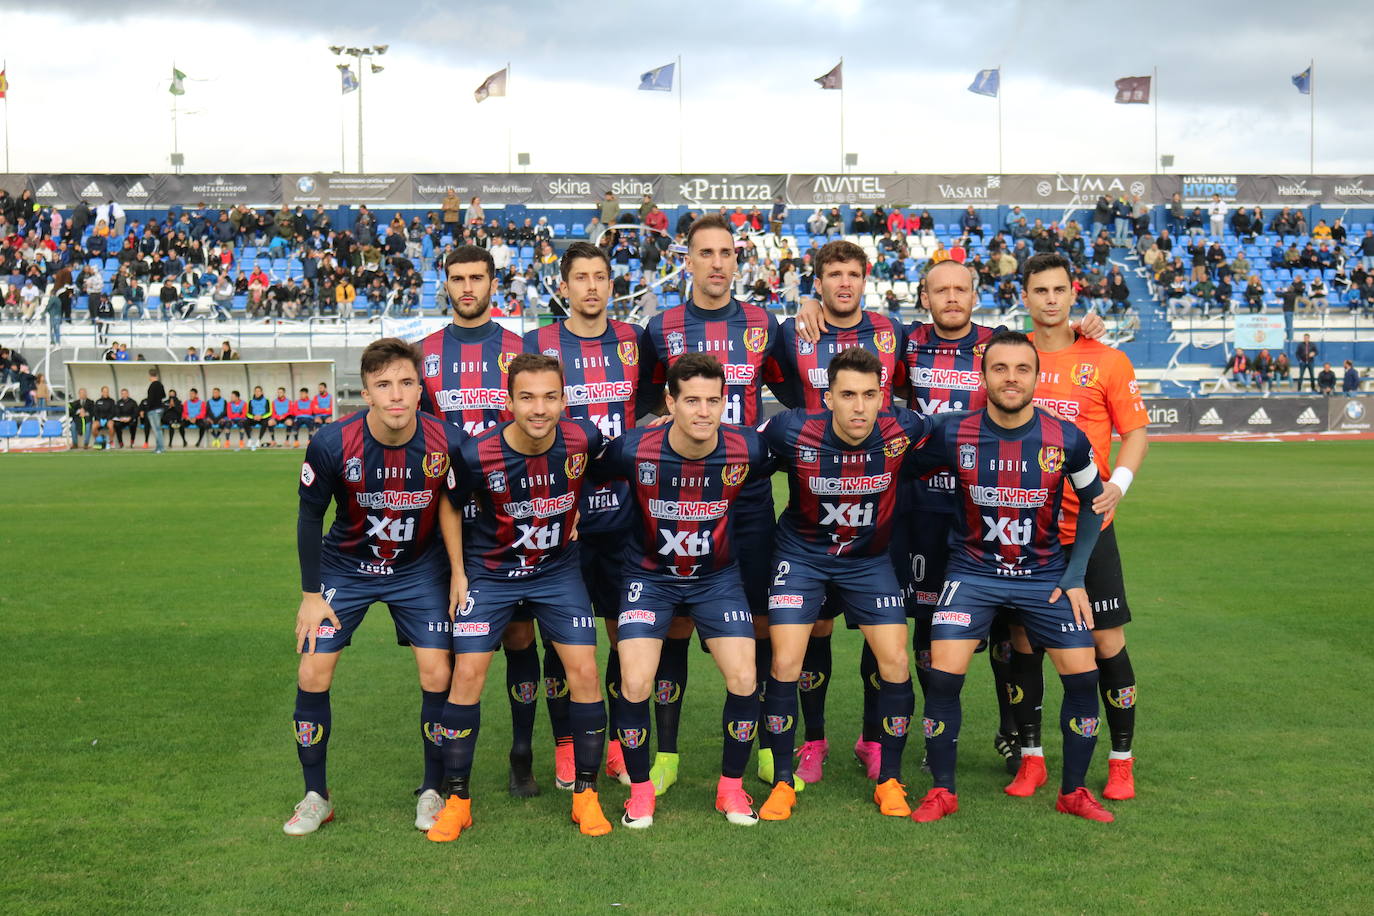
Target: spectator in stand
(1175,217)
(103,414)
(815,223)
(776,215)
(345,294)
(1261,371)
(1121,217)
(1289,302)
(476,215)
(1282,371)
(81,410)
(1307,359)
(1118,293)
(452,209)
(1239,368)
(125,418)
(194,414)
(1223,295)
(1350,385)
(971,222)
(858,223)
(1104,212)
(1193,223)
(168,297)
(1216,213)
(1326,380)
(1366,250)
(1254,294)
(608,209)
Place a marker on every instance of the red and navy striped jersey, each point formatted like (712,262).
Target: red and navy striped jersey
(528,502)
(464,374)
(741,336)
(386,497)
(804,364)
(684,524)
(944,375)
(1010,486)
(843,498)
(600,378)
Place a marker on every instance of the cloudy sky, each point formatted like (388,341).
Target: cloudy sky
(88,85)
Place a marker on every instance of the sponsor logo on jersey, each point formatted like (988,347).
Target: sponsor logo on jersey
(541,506)
(599,392)
(777,601)
(432,365)
(1133,386)
(307,473)
(677,344)
(524,692)
(628,351)
(675,511)
(807,455)
(885,341)
(395,499)
(435,464)
(776,725)
(496,481)
(632,737)
(738,374)
(648,473)
(954,379)
(1122,698)
(451,399)
(933,728)
(755,339)
(734,474)
(1067,409)
(1084,375)
(1009,497)
(1051,459)
(897,726)
(471,628)
(503,360)
(968,456)
(1084,725)
(666,691)
(952,618)
(309,734)
(741,729)
(636,615)
(836,486)
(896,447)
(575,465)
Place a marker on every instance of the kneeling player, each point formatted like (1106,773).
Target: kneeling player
(1010,463)
(685,477)
(527,475)
(385,468)
(843,465)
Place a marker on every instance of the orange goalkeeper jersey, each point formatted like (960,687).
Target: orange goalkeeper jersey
(1094,387)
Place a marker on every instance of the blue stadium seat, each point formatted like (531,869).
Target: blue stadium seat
(527,252)
(29,429)
(52,429)
(112,263)
(560,230)
(578,229)
(8,429)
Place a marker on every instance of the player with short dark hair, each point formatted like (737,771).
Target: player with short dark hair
(527,476)
(125,418)
(194,413)
(386,469)
(302,417)
(1011,463)
(843,467)
(685,479)
(322,405)
(235,418)
(217,415)
(1094,386)
(600,359)
(743,338)
(465,381)
(280,418)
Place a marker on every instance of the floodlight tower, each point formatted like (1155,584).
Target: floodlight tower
(359,54)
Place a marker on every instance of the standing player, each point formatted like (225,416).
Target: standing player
(259,414)
(1011,462)
(465,368)
(685,478)
(840,269)
(1093,386)
(527,475)
(742,337)
(600,359)
(281,416)
(385,469)
(844,464)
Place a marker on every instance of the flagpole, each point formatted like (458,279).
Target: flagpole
(680,167)
(359,58)
(1311,115)
(175,143)
(5,69)
(999,119)
(1154,91)
(842,169)
(509,119)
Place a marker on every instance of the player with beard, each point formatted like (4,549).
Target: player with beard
(600,359)
(742,337)
(840,269)
(1011,463)
(1095,387)
(465,383)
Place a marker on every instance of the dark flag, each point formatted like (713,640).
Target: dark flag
(1133,90)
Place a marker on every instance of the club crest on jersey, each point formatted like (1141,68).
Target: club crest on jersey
(496,481)
(552,351)
(628,351)
(648,473)
(734,474)
(896,447)
(897,726)
(677,344)
(503,361)
(885,341)
(978,350)
(353,470)
(1051,459)
(776,725)
(575,465)
(1085,726)
(666,692)
(741,729)
(309,734)
(1084,375)
(805,347)
(1123,698)
(968,456)
(432,365)
(807,455)
(524,692)
(755,339)
(435,464)
(632,737)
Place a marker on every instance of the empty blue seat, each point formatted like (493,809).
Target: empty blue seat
(527,251)
(8,429)
(578,229)
(561,229)
(52,429)
(29,429)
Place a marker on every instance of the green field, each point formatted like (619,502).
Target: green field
(146,614)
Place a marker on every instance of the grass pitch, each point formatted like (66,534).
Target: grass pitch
(146,613)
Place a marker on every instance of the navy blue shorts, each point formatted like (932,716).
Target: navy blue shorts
(416,594)
(969,603)
(922,569)
(755,524)
(715,602)
(554,597)
(864,588)
(603,569)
